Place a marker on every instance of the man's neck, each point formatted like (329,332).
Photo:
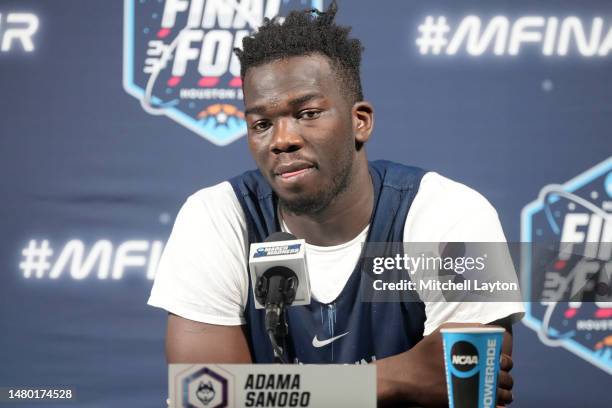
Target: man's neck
(342,220)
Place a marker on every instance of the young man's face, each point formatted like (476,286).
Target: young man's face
(300,130)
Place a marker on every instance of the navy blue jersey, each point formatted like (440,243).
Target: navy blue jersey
(361,331)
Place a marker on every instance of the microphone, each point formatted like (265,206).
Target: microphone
(281,254)
(279,278)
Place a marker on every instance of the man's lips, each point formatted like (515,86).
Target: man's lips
(293,169)
(292,174)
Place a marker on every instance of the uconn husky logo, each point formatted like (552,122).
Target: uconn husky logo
(178,59)
(576,217)
(206,387)
(206,392)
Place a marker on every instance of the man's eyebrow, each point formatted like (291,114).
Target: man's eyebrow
(305,98)
(260,109)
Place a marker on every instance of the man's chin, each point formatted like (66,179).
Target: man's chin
(302,205)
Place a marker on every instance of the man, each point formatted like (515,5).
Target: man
(307,128)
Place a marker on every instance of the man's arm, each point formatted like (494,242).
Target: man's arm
(417,376)
(208,237)
(188,341)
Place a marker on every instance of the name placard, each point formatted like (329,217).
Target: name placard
(271,385)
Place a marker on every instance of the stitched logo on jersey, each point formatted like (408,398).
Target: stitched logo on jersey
(178,59)
(322,343)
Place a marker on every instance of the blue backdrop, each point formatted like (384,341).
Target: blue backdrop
(88,175)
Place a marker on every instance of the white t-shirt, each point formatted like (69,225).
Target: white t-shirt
(203,276)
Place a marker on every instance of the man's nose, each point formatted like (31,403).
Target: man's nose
(286,137)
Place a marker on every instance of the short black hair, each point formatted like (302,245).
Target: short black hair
(303,33)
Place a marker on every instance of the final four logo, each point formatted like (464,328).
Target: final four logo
(570,230)
(178,59)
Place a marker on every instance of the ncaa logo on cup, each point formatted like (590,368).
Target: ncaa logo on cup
(577,217)
(178,59)
(464,359)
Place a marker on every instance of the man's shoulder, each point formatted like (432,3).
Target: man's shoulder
(436,189)
(441,205)
(396,169)
(251,183)
(221,191)
(226,190)
(440,190)
(216,202)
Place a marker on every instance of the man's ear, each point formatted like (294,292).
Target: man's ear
(363,122)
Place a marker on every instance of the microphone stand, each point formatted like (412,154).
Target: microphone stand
(276,327)
(275,289)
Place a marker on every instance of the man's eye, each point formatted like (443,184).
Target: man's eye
(309,114)
(260,126)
